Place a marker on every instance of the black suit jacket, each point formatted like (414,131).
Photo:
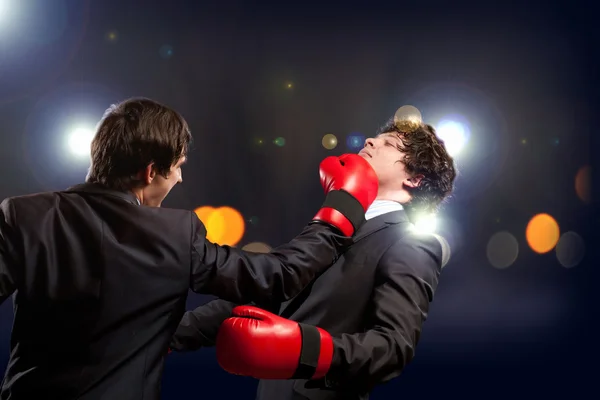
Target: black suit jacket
(373,301)
(100,285)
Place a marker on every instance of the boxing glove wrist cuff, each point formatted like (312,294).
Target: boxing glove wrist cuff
(315,352)
(347,205)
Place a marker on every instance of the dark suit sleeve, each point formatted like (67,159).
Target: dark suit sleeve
(198,328)
(243,277)
(407,276)
(9,273)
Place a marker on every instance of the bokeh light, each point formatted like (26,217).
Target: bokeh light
(233,224)
(224,225)
(426,223)
(35,22)
(203,213)
(355,141)
(408,113)
(583,184)
(289,85)
(502,250)
(166,51)
(215,227)
(9,17)
(454,133)
(3,9)
(329,141)
(542,233)
(570,249)
(280,142)
(111,36)
(257,247)
(38,40)
(56,139)
(80,141)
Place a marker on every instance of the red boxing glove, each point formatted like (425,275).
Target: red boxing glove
(257,343)
(351,185)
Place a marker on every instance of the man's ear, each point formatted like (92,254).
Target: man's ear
(148,174)
(414,181)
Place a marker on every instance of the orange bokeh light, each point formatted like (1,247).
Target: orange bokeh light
(583,184)
(204,212)
(542,233)
(224,225)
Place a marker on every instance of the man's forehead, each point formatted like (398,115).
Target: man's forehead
(390,135)
(393,138)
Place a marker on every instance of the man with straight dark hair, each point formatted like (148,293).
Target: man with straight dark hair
(100,273)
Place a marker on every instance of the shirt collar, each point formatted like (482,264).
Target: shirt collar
(380,207)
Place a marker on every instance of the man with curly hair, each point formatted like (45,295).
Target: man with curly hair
(356,325)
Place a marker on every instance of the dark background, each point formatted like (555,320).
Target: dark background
(521,74)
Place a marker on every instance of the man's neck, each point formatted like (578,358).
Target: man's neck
(399,196)
(139,195)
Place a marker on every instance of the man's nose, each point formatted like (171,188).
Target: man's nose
(369,142)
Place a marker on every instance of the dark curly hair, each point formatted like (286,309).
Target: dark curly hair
(426,155)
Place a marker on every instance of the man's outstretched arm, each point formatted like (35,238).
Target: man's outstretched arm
(242,277)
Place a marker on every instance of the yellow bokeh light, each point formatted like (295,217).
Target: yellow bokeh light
(224,225)
(408,113)
(233,226)
(215,227)
(203,213)
(329,141)
(112,36)
(542,233)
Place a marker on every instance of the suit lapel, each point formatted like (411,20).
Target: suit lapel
(382,221)
(373,225)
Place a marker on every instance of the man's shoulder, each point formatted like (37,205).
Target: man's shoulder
(32,205)
(416,245)
(170,212)
(418,238)
(31,197)
(45,201)
(405,234)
